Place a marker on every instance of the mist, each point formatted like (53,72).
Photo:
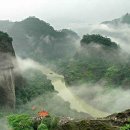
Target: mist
(98,95)
(66,58)
(104,97)
(80,12)
(4,124)
(119,34)
(95,94)
(69,106)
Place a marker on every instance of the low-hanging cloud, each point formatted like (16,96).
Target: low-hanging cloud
(119,34)
(104,98)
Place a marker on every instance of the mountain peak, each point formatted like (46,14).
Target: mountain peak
(125,19)
(127,14)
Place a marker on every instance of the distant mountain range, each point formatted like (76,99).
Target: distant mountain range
(125,19)
(36,39)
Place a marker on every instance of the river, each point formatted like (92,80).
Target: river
(67,95)
(64,92)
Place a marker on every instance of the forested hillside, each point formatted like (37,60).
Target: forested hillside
(98,59)
(36,39)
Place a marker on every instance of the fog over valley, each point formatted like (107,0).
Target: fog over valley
(64,65)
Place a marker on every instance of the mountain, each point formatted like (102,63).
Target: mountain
(125,19)
(117,30)
(92,60)
(99,40)
(17,87)
(7,86)
(36,39)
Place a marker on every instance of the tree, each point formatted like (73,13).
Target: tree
(98,39)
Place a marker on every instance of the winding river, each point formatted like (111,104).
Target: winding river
(66,94)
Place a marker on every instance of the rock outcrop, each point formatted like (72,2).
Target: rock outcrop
(7,87)
(88,125)
(112,122)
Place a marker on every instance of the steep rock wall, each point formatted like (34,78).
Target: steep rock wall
(7,87)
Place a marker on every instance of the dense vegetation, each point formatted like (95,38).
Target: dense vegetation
(99,59)
(117,121)
(31,84)
(125,127)
(20,122)
(98,39)
(26,122)
(6,43)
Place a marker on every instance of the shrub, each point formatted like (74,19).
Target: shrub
(51,122)
(42,127)
(126,127)
(20,122)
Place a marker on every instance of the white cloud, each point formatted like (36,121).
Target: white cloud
(105,99)
(63,12)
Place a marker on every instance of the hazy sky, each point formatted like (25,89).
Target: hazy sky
(63,13)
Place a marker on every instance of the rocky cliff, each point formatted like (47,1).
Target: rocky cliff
(112,122)
(7,91)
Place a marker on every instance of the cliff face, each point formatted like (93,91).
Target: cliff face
(7,88)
